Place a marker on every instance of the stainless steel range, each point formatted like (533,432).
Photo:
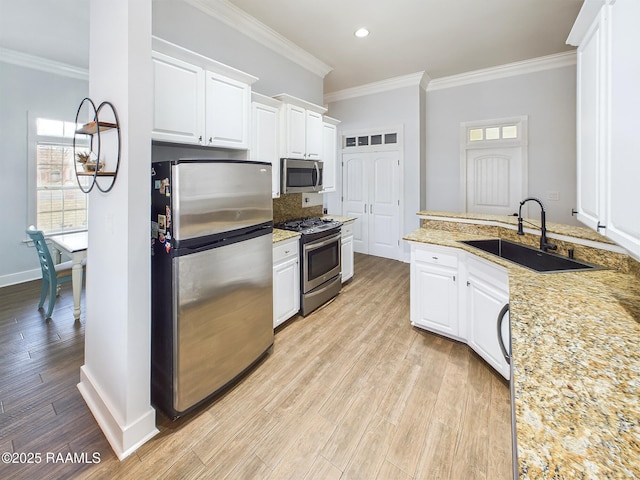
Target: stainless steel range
(320,260)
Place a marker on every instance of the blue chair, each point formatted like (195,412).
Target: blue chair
(52,274)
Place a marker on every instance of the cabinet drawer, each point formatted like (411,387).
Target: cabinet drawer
(347,229)
(436,257)
(284,250)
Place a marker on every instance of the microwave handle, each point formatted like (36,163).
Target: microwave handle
(317,186)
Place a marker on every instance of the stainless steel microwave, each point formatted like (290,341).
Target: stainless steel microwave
(300,176)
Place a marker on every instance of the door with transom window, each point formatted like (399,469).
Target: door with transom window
(493,165)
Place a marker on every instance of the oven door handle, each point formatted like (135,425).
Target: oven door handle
(313,245)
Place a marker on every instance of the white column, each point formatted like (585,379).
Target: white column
(115,379)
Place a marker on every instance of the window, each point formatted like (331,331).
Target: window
(60,205)
(371,140)
(503,132)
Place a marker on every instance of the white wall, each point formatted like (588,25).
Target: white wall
(188,27)
(24,90)
(547,97)
(386,109)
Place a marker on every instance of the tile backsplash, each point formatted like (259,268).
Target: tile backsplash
(289,207)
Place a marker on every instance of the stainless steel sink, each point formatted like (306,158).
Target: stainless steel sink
(537,260)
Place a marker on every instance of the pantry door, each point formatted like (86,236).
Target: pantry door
(371,194)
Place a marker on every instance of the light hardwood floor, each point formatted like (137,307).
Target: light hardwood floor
(350,392)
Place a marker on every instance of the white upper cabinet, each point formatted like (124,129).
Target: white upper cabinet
(591,125)
(228,112)
(301,128)
(264,136)
(329,153)
(608,75)
(623,219)
(295,131)
(178,113)
(313,135)
(198,100)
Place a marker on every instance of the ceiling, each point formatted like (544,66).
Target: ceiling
(440,37)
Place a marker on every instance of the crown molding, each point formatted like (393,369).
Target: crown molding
(244,23)
(410,80)
(38,63)
(548,62)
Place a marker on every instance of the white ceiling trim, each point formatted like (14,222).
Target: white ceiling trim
(589,11)
(38,63)
(238,19)
(410,80)
(548,62)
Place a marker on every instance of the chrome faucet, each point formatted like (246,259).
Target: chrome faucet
(544,244)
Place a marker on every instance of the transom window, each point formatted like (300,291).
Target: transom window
(499,132)
(376,139)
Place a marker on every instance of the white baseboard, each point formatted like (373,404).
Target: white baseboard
(124,439)
(20,277)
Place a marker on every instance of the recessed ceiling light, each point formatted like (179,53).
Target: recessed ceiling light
(361,32)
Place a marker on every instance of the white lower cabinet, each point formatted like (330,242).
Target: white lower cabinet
(459,295)
(286,280)
(347,251)
(434,289)
(486,297)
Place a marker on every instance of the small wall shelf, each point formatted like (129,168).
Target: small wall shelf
(94,130)
(90,128)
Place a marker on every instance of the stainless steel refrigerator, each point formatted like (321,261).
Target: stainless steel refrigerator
(212,281)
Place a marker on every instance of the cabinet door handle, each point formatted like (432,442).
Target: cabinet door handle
(371,208)
(454,278)
(365,208)
(200,139)
(468,283)
(435,258)
(210,139)
(503,349)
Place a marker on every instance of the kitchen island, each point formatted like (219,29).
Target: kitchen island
(575,356)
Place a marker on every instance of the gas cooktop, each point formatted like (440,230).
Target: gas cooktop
(307,226)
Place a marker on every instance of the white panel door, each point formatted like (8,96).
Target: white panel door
(494,180)
(371,194)
(178,100)
(384,205)
(355,198)
(227,113)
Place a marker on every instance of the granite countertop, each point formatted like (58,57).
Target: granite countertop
(340,218)
(557,228)
(281,235)
(576,367)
